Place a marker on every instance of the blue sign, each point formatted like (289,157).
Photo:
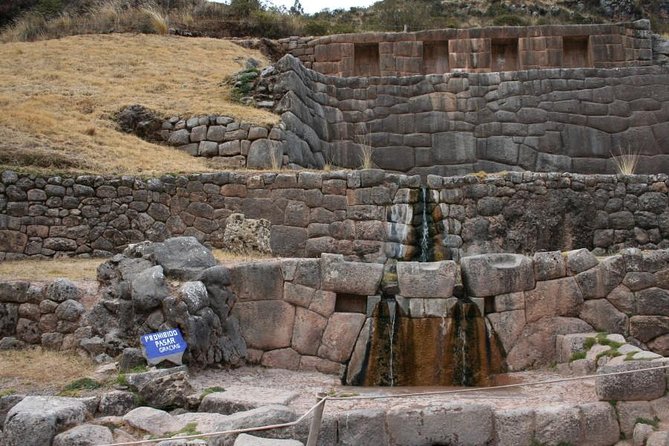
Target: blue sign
(168,344)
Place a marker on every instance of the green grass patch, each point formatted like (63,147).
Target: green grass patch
(576,356)
(122,380)
(189,429)
(630,356)
(209,390)
(589,343)
(78,385)
(610,353)
(7,392)
(603,340)
(655,422)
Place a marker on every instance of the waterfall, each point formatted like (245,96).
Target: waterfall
(424,242)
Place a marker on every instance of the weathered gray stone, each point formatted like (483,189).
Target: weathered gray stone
(599,281)
(195,295)
(154,421)
(630,411)
(257,281)
(244,235)
(182,257)
(250,440)
(426,279)
(70,310)
(149,289)
(555,424)
(549,265)
(580,260)
(308,331)
(116,403)
(508,326)
(600,425)
(492,274)
(603,316)
(646,385)
(276,329)
(167,391)
(514,426)
(349,277)
(240,398)
(84,435)
(61,290)
(36,420)
(449,423)
(261,416)
(652,301)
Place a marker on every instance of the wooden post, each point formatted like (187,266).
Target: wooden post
(315,427)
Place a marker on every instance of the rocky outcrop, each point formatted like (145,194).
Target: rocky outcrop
(244,236)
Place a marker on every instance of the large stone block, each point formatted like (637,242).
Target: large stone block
(508,326)
(603,316)
(630,411)
(599,281)
(557,424)
(266,324)
(600,425)
(340,336)
(560,297)
(454,148)
(653,301)
(450,423)
(308,331)
(492,274)
(426,279)
(514,426)
(240,398)
(640,386)
(350,277)
(646,328)
(362,427)
(549,265)
(257,281)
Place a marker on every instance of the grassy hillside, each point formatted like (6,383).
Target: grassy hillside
(57,99)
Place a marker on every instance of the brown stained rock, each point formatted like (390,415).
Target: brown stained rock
(603,316)
(285,358)
(492,274)
(308,331)
(599,281)
(340,336)
(244,235)
(652,301)
(559,297)
(276,329)
(349,277)
(323,303)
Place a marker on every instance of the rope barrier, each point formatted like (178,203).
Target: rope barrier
(322,401)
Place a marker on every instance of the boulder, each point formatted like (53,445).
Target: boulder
(276,329)
(61,290)
(262,416)
(181,257)
(6,403)
(559,297)
(514,426)
(600,424)
(242,398)
(131,358)
(195,295)
(549,265)
(557,425)
(116,403)
(149,289)
(36,420)
(84,435)
(155,422)
(257,281)
(599,281)
(603,316)
(580,260)
(630,411)
(167,391)
(640,386)
(244,235)
(491,274)
(426,279)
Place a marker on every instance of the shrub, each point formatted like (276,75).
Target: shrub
(509,20)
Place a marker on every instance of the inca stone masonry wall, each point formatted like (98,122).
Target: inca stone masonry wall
(550,120)
(368,215)
(475,50)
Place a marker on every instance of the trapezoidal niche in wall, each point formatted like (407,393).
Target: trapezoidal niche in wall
(504,54)
(435,57)
(575,52)
(366,59)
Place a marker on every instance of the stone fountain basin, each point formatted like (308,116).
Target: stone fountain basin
(492,274)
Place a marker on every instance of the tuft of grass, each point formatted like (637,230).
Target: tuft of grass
(122,380)
(224,256)
(612,353)
(188,429)
(364,140)
(158,21)
(209,390)
(75,387)
(576,356)
(34,368)
(655,422)
(603,340)
(626,160)
(7,392)
(589,343)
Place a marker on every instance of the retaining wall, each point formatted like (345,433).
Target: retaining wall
(507,48)
(550,120)
(367,215)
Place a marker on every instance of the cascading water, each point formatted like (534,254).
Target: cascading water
(424,241)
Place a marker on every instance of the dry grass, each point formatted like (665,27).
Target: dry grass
(57,97)
(37,270)
(33,370)
(227,257)
(626,161)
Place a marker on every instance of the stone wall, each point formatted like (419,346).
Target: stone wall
(314,314)
(475,50)
(368,215)
(549,120)
(230,144)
